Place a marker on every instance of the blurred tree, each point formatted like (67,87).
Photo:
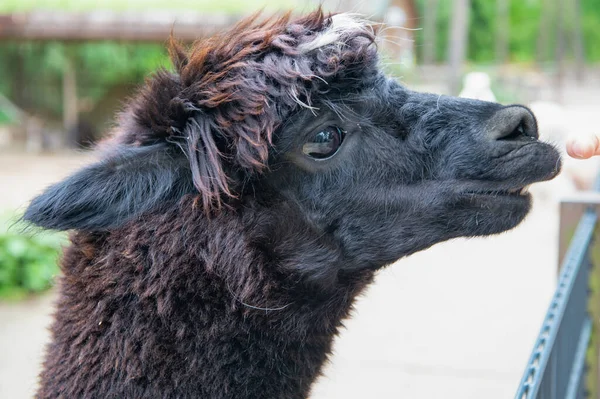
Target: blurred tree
(590,16)
(69,90)
(502,30)
(459,31)
(429,31)
(531,33)
(481,31)
(31,73)
(544,31)
(579,46)
(559,55)
(524,26)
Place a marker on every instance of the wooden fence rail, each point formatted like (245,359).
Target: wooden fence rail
(149,26)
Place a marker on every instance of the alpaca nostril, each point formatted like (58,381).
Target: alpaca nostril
(513,123)
(519,133)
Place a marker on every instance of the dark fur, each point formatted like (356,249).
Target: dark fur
(102,196)
(213,259)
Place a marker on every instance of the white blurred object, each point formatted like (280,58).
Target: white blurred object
(577,175)
(34,134)
(477,86)
(5,136)
(552,122)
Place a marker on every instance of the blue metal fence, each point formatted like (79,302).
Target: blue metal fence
(557,365)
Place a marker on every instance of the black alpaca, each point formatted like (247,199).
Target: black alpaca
(248,197)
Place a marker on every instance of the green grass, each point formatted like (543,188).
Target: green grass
(229,6)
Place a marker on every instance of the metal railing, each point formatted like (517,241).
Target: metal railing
(560,361)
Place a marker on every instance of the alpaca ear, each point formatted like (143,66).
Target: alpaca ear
(107,194)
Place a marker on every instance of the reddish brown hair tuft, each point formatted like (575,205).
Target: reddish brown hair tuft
(230,93)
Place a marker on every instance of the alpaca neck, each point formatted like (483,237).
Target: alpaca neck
(151,312)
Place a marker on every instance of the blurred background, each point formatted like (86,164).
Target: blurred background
(457,321)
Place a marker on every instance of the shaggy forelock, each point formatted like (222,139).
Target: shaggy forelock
(231,92)
(341,27)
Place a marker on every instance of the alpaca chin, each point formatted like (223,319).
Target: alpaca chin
(503,219)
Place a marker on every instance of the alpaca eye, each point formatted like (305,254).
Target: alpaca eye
(325,143)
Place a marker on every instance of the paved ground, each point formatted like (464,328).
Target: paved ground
(23,334)
(457,321)
(23,325)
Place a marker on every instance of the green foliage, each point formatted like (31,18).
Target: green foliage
(590,19)
(444,11)
(31,72)
(28,261)
(481,40)
(525,18)
(105,64)
(5,118)
(99,65)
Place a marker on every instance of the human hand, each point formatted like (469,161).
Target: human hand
(583,147)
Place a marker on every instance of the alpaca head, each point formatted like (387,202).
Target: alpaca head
(298,112)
